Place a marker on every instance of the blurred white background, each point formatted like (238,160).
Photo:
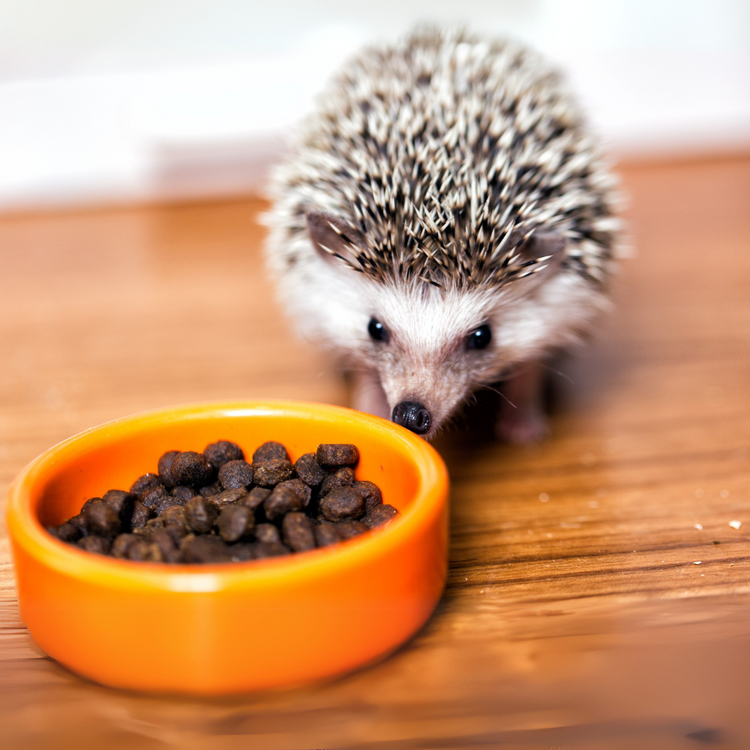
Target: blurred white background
(108,100)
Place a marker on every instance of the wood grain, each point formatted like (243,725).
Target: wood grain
(585,608)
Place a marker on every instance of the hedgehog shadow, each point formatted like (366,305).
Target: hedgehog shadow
(575,381)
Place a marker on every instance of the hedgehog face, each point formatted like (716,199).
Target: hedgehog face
(432,348)
(429,347)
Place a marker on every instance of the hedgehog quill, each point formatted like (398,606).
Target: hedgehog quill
(444,222)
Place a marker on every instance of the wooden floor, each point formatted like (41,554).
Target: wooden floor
(598,596)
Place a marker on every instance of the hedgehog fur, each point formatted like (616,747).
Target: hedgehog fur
(443,183)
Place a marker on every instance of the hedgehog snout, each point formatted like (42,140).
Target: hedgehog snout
(413,416)
(422,395)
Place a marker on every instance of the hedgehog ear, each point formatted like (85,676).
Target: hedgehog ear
(334,238)
(546,250)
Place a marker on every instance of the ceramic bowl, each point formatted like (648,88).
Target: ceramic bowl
(231,627)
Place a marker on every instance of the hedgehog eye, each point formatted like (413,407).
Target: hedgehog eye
(377,331)
(479,338)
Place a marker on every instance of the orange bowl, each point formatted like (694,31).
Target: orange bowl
(231,627)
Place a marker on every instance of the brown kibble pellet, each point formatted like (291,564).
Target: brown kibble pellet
(371,494)
(145,483)
(167,501)
(98,544)
(182,493)
(210,489)
(122,503)
(379,515)
(270,549)
(102,520)
(242,552)
(341,503)
(343,477)
(236,474)
(303,490)
(122,543)
(141,514)
(268,533)
(164,467)
(175,517)
(221,452)
(349,529)
(65,532)
(144,551)
(227,497)
(335,455)
(256,497)
(309,470)
(270,451)
(91,501)
(282,500)
(191,469)
(168,546)
(205,549)
(177,534)
(200,514)
(235,522)
(326,535)
(297,529)
(80,523)
(153,496)
(152,523)
(272,472)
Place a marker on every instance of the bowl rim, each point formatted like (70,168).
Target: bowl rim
(25,529)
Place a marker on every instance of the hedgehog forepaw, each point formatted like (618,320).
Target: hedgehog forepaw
(521,419)
(522,429)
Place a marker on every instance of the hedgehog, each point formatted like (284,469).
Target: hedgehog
(444,222)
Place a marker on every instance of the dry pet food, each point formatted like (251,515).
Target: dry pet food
(216,506)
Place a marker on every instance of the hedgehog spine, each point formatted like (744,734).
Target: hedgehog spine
(442,184)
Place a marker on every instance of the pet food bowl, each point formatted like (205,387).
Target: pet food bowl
(229,627)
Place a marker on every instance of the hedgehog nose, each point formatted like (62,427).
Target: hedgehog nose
(413,416)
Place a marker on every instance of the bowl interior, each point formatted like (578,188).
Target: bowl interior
(357,600)
(113,456)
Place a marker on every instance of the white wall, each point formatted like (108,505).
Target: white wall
(130,99)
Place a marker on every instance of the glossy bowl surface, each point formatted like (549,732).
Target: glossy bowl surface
(233,627)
